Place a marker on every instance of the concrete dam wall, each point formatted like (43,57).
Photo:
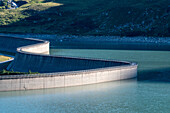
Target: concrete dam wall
(56,71)
(10,44)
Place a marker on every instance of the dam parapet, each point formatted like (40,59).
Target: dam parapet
(57,71)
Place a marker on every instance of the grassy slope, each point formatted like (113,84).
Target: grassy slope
(4,58)
(89,17)
(4,72)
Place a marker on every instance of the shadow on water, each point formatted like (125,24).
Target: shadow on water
(157,75)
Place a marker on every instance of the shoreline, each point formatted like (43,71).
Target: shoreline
(69,38)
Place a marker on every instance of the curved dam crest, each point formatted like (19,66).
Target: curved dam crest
(56,71)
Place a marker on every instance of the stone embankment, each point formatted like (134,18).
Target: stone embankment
(139,39)
(56,71)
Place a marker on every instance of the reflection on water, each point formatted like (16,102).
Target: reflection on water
(119,96)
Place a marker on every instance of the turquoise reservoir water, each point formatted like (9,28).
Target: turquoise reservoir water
(151,64)
(149,93)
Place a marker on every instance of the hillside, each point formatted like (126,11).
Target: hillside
(4,58)
(88,17)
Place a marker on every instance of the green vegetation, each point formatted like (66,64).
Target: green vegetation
(88,17)
(5,72)
(4,58)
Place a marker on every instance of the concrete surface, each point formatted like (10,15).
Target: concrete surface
(56,71)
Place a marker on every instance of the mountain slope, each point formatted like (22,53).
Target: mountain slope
(94,17)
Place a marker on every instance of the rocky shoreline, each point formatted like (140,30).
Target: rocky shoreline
(139,39)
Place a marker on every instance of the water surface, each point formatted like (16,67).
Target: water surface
(121,96)
(151,63)
(145,95)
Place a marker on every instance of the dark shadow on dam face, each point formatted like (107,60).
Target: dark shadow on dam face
(26,61)
(60,64)
(48,64)
(155,75)
(8,44)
